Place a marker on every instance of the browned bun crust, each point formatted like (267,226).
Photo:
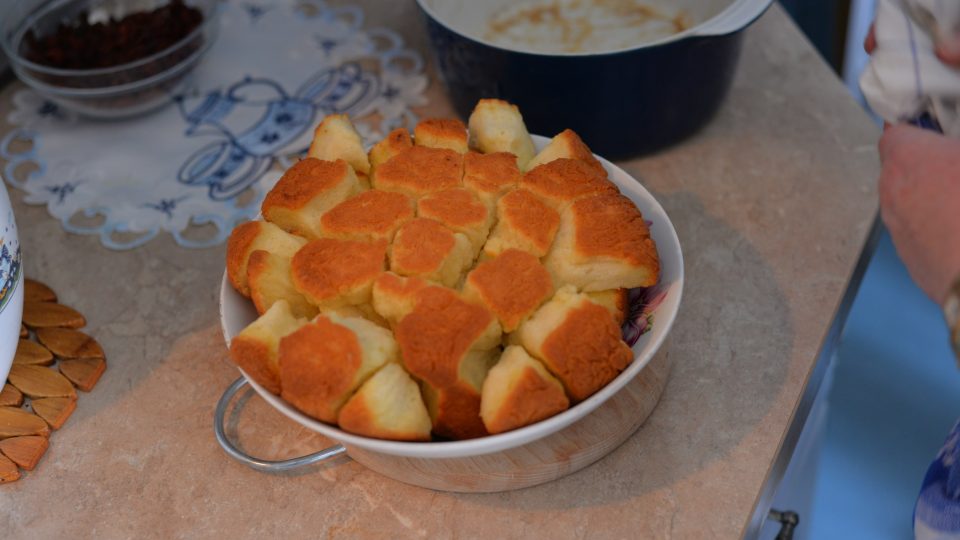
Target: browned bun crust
(318,363)
(615,300)
(438,333)
(610,225)
(564,180)
(525,222)
(249,237)
(425,248)
(419,170)
(252,356)
(533,399)
(326,269)
(457,208)
(511,285)
(387,406)
(519,391)
(269,278)
(371,214)
(303,181)
(490,174)
(586,351)
(420,247)
(306,191)
(395,142)
(255,348)
(395,296)
(458,413)
(441,133)
(567,144)
(238,252)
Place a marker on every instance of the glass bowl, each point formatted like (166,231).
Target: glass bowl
(120,91)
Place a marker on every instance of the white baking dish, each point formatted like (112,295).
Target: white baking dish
(531,455)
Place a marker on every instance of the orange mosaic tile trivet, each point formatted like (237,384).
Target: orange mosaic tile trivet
(53,359)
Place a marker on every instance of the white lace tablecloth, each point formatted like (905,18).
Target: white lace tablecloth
(274,71)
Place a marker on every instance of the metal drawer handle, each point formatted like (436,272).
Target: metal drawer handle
(788,522)
(254,462)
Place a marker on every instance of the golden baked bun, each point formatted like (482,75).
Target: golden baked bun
(255,348)
(519,391)
(371,215)
(489,176)
(395,296)
(306,191)
(449,344)
(425,248)
(603,243)
(362,311)
(511,285)
(441,133)
(562,181)
(252,236)
(460,211)
(336,138)
(469,242)
(387,406)
(332,273)
(616,302)
(455,410)
(270,281)
(395,142)
(497,126)
(324,361)
(419,170)
(524,222)
(566,145)
(578,341)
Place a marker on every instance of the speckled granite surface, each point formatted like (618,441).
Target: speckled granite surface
(772,203)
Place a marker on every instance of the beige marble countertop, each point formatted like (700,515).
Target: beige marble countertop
(772,203)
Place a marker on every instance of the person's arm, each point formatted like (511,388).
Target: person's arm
(920,201)
(920,204)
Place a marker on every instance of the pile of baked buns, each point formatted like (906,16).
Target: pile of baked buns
(448,285)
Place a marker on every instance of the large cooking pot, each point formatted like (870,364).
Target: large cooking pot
(623,101)
(531,455)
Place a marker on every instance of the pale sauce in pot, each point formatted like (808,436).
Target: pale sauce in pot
(577,26)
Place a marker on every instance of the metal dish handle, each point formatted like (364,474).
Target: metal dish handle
(254,462)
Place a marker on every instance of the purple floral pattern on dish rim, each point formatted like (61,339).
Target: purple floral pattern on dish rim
(642,303)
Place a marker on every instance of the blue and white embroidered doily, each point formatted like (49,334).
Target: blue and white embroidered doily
(275,70)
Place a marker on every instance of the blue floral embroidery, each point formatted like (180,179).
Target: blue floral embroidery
(224,133)
(326,45)
(245,152)
(62,191)
(48,109)
(255,11)
(166,206)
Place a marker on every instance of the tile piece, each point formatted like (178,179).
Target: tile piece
(25,451)
(17,422)
(35,291)
(40,382)
(8,470)
(69,343)
(83,372)
(54,410)
(29,352)
(47,314)
(10,396)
